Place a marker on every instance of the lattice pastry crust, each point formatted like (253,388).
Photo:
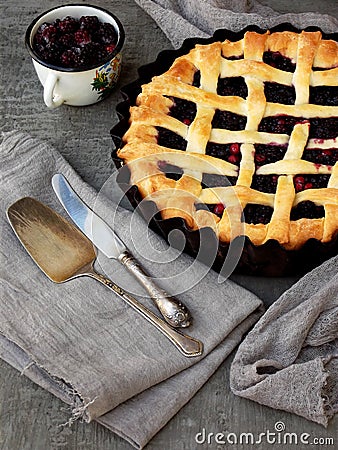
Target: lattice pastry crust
(315,65)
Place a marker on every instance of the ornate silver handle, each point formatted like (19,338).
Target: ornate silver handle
(173,310)
(187,345)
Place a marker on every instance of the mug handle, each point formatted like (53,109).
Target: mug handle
(51,100)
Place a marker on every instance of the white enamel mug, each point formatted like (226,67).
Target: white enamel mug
(76,87)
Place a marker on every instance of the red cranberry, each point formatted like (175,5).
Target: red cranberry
(299,180)
(299,183)
(308,186)
(260,158)
(234,149)
(233,159)
(218,209)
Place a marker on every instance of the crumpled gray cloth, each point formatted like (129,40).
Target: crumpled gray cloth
(182,19)
(289,360)
(83,343)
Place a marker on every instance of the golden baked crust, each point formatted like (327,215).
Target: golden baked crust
(173,198)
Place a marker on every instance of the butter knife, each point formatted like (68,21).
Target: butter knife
(174,312)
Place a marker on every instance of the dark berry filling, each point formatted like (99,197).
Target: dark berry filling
(212,180)
(307,210)
(228,120)
(233,58)
(170,170)
(278,124)
(326,156)
(257,214)
(277,60)
(183,110)
(169,139)
(227,152)
(265,183)
(197,79)
(324,95)
(324,128)
(75,43)
(320,128)
(303,182)
(279,93)
(232,86)
(267,154)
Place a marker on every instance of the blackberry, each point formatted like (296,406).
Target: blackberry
(170,139)
(267,154)
(232,86)
(278,124)
(105,34)
(276,59)
(307,210)
(183,110)
(49,34)
(228,120)
(82,37)
(265,183)
(324,95)
(89,23)
(67,40)
(279,93)
(257,214)
(68,25)
(69,58)
(326,156)
(326,128)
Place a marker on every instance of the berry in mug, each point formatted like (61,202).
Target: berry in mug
(75,43)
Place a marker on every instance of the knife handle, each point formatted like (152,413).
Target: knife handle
(173,310)
(187,345)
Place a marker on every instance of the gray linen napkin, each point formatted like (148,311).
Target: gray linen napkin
(182,19)
(289,360)
(81,342)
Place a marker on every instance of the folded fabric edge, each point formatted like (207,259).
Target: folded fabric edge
(16,357)
(133,408)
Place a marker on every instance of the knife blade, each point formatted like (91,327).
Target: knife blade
(109,243)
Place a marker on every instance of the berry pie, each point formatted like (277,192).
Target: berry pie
(241,136)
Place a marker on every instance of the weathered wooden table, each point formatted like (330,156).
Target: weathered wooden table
(30,417)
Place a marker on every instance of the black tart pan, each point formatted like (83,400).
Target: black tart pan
(270,259)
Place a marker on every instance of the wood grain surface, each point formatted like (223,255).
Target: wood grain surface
(30,417)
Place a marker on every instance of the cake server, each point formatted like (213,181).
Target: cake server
(63,253)
(105,239)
